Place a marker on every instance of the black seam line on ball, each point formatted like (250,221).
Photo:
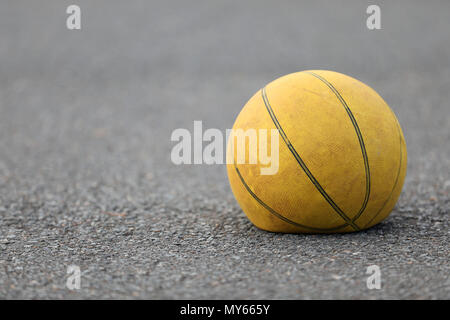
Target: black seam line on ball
(398,173)
(272,211)
(303,165)
(360,138)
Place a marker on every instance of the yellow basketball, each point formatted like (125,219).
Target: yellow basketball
(342,155)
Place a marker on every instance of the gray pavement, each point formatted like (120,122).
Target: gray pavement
(85,171)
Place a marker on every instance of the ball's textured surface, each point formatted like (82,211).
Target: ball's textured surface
(342,155)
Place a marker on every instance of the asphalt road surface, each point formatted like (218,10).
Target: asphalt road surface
(85,172)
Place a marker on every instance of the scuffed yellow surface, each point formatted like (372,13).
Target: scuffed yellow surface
(319,128)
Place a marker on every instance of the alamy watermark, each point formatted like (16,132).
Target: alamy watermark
(73,21)
(250,146)
(374,280)
(373,21)
(74,280)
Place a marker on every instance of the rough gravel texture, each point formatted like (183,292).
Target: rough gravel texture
(85,171)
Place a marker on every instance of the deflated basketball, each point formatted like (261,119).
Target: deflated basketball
(342,155)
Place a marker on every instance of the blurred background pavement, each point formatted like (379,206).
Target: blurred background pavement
(85,171)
